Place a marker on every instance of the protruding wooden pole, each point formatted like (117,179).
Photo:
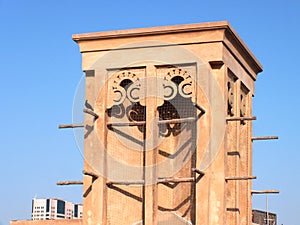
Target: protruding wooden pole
(91,112)
(175,180)
(240,118)
(264,138)
(142,123)
(126,124)
(90,173)
(125,182)
(172,121)
(69,182)
(240,178)
(265,192)
(64,126)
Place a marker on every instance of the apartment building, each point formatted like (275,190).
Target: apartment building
(53,208)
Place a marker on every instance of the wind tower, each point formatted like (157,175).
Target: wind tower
(168,125)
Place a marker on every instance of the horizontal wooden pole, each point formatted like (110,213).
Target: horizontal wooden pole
(183,120)
(232,209)
(142,123)
(240,178)
(261,138)
(69,182)
(175,180)
(89,173)
(126,124)
(234,153)
(63,126)
(139,182)
(91,112)
(160,180)
(265,192)
(240,118)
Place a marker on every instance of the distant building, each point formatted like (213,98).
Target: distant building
(260,218)
(52,208)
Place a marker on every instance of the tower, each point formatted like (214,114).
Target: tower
(168,125)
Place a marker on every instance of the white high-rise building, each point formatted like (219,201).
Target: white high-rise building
(53,208)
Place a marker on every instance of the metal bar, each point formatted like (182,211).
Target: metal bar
(198,171)
(240,118)
(175,180)
(139,182)
(91,112)
(265,192)
(267,210)
(264,138)
(69,182)
(89,173)
(63,126)
(240,178)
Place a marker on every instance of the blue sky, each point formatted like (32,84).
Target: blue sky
(41,66)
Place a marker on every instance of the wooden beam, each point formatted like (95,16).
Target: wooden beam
(91,112)
(90,173)
(234,153)
(69,182)
(240,118)
(123,182)
(240,178)
(183,120)
(175,180)
(265,192)
(233,209)
(261,138)
(142,123)
(63,126)
(126,124)
(160,180)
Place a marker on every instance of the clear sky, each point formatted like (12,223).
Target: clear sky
(41,66)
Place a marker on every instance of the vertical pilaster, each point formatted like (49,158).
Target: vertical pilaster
(150,151)
(245,154)
(93,188)
(232,150)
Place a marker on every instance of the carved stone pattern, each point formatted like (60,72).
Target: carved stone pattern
(126,85)
(122,87)
(230,98)
(180,105)
(183,81)
(243,104)
(177,88)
